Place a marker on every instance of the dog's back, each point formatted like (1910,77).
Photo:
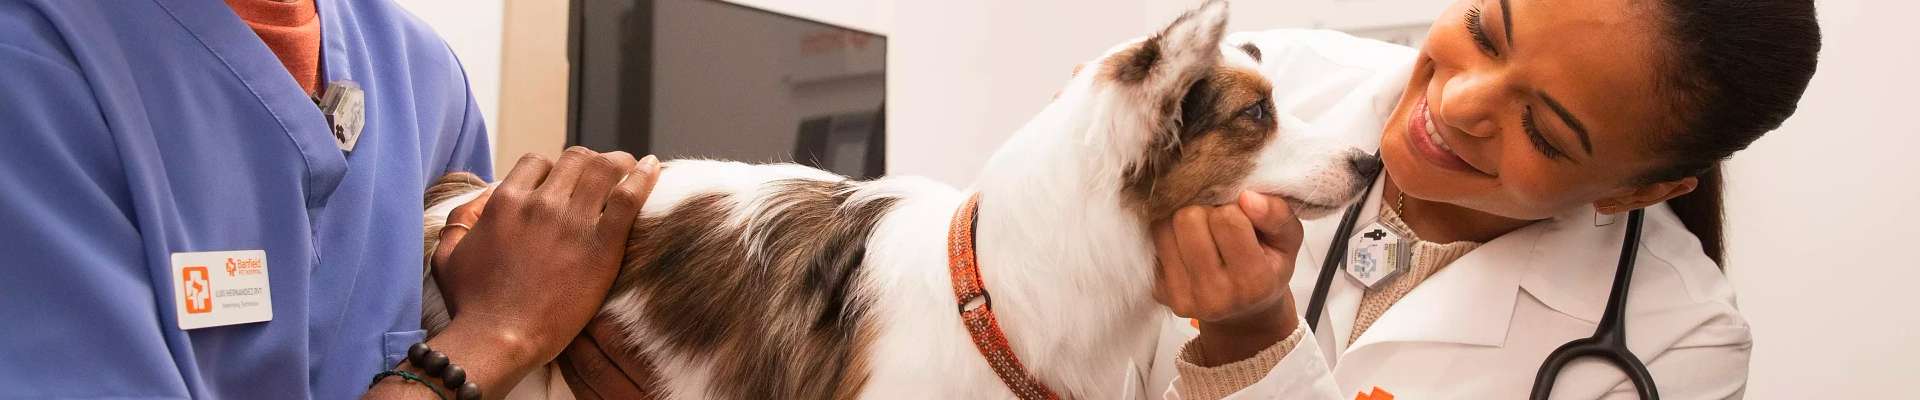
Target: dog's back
(743,278)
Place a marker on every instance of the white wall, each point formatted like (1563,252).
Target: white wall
(1822,218)
(472,28)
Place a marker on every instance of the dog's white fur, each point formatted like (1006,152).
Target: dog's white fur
(1068,264)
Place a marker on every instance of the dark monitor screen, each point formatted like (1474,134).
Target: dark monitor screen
(710,79)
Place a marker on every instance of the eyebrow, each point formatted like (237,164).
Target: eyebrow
(1506,21)
(1585,142)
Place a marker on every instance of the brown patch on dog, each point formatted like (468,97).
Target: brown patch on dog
(1212,149)
(1135,64)
(779,319)
(1252,51)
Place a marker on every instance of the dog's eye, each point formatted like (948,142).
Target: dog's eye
(1257,111)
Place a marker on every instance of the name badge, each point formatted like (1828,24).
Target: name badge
(1377,253)
(220,288)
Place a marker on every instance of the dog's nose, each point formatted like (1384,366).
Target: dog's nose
(1364,165)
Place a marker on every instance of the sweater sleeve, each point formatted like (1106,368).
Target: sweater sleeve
(1198,382)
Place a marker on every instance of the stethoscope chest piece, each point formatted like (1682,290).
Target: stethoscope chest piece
(1378,253)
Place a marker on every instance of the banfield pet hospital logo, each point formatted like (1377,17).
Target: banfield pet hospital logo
(243,266)
(199,291)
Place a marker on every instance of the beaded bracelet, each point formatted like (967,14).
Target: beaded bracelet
(437,365)
(409,377)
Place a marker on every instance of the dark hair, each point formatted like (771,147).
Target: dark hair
(1737,70)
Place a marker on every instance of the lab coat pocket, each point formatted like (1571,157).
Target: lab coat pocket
(393,345)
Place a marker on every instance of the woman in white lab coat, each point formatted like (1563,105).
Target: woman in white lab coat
(1512,139)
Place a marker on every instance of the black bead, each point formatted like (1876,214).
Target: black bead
(468,391)
(435,363)
(455,376)
(416,352)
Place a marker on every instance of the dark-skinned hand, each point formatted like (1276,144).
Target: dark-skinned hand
(544,248)
(1227,266)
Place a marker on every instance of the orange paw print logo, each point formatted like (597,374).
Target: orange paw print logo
(1378,394)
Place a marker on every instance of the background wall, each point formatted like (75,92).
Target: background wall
(473,29)
(1821,230)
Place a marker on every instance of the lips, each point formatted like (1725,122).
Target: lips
(1427,142)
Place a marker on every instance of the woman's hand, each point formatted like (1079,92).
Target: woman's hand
(1227,266)
(538,262)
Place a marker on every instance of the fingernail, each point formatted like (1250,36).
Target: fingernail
(650,163)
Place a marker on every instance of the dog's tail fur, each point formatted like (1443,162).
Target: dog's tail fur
(433,307)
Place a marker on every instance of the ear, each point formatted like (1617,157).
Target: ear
(1646,195)
(1171,60)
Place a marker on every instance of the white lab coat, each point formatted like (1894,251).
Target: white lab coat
(1480,327)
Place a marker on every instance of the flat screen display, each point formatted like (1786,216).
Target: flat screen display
(717,80)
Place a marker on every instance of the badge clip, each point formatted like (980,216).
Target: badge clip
(344,104)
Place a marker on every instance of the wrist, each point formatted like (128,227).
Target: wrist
(494,358)
(1242,337)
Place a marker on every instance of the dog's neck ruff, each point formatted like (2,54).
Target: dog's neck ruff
(976,308)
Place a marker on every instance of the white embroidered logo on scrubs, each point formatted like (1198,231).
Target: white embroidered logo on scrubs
(206,299)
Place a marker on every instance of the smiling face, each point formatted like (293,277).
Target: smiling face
(1529,108)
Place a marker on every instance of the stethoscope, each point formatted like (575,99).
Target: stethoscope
(1609,340)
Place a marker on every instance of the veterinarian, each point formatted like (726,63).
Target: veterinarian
(1514,140)
(183,219)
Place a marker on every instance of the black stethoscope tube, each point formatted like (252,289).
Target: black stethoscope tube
(1609,340)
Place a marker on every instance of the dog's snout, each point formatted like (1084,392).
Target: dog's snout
(1364,165)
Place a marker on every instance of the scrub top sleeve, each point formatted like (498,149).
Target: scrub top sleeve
(471,150)
(81,319)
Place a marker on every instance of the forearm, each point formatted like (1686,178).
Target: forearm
(494,360)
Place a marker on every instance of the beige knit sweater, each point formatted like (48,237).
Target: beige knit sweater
(1206,383)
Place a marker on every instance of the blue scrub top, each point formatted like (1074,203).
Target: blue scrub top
(133,129)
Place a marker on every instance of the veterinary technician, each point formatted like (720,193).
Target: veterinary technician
(180,218)
(1514,140)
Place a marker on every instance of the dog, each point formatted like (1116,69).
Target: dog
(781,281)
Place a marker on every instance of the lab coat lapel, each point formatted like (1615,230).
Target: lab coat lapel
(1343,295)
(1579,279)
(1356,120)
(1469,301)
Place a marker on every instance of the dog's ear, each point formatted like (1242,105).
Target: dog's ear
(1171,60)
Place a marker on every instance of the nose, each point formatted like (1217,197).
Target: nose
(1468,102)
(1364,165)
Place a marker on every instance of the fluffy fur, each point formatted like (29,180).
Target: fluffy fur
(781,281)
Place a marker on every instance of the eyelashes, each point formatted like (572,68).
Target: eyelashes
(1479,31)
(1533,134)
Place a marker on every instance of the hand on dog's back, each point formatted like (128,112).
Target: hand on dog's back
(545,247)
